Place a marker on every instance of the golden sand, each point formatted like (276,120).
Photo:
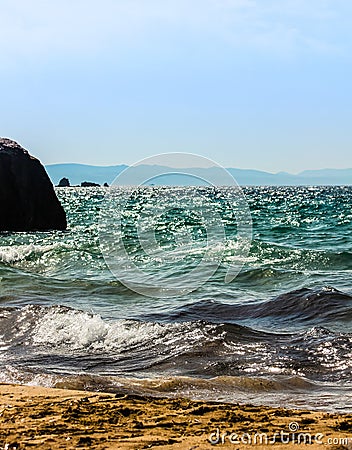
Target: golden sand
(45,418)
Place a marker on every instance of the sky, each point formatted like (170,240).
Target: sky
(261,84)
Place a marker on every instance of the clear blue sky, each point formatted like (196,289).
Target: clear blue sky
(264,84)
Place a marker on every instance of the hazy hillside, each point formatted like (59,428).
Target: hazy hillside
(77,173)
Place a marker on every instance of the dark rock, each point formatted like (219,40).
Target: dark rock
(64,182)
(89,184)
(106,185)
(27,198)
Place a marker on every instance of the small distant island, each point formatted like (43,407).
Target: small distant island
(65,182)
(89,184)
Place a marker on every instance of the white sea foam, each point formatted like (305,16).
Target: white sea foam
(13,375)
(77,330)
(12,254)
(80,330)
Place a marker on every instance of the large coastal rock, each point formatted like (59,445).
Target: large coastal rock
(27,198)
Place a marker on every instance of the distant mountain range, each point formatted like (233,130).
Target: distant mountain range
(77,173)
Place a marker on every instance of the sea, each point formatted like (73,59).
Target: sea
(135,296)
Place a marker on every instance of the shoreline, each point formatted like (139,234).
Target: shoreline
(52,418)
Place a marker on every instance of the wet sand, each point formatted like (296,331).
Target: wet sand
(45,418)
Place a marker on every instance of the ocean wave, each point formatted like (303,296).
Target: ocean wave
(69,340)
(66,328)
(292,255)
(318,306)
(12,254)
(71,259)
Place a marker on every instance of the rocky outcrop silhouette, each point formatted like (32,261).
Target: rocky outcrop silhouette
(89,184)
(27,198)
(64,182)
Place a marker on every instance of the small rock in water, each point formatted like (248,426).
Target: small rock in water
(89,184)
(64,182)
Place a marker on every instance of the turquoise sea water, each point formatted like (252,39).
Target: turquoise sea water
(278,333)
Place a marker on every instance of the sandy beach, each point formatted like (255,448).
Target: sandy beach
(45,418)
